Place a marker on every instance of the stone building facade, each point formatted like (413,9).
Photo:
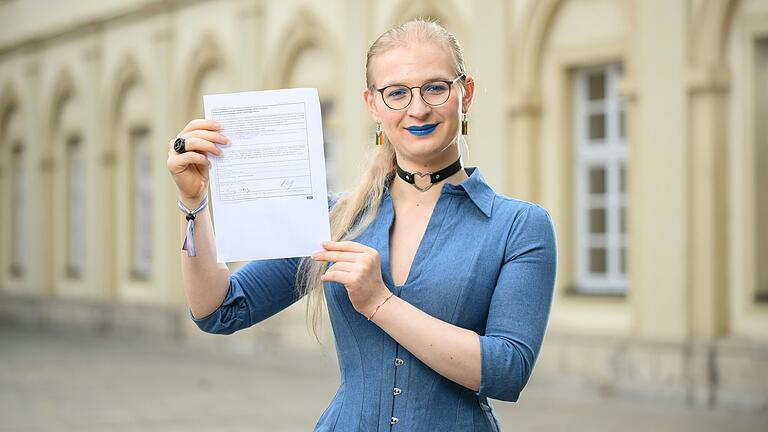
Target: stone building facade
(639,125)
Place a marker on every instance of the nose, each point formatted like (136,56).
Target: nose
(418,108)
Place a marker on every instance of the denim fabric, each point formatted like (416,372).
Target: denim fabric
(486,263)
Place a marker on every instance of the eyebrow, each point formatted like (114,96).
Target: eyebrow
(425,82)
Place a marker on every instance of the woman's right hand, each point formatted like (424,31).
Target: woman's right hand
(190,169)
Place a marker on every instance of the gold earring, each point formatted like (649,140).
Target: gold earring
(464,125)
(378,133)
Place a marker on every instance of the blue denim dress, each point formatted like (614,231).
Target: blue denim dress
(486,263)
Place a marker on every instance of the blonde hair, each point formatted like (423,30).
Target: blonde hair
(352,213)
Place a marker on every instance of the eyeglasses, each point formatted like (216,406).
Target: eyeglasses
(434,93)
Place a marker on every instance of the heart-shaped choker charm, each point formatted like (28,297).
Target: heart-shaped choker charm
(434,177)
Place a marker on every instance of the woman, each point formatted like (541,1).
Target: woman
(438,288)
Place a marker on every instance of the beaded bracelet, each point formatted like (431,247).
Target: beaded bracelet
(189,240)
(377,307)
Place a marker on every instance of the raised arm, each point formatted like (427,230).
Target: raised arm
(205,281)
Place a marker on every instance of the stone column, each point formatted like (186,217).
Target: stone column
(659,162)
(708,202)
(524,113)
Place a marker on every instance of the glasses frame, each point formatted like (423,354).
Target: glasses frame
(421,92)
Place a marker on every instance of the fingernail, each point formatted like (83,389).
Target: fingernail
(217,124)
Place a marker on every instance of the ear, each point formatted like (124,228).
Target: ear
(370,101)
(469,93)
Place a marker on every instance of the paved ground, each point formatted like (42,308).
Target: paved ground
(53,381)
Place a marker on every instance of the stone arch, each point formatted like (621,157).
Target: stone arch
(9,102)
(710,31)
(126,77)
(526,66)
(303,33)
(204,59)
(443,11)
(9,107)
(126,80)
(64,91)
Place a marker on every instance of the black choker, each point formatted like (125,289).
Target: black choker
(433,177)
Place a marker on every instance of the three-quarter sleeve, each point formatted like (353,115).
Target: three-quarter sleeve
(256,291)
(519,308)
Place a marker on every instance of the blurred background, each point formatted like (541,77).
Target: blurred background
(640,125)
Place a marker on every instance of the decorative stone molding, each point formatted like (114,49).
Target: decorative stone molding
(709,79)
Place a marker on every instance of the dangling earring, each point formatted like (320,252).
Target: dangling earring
(378,134)
(464,126)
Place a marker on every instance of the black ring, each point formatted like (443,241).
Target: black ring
(179,146)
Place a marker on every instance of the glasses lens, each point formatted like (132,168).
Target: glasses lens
(435,93)
(397,97)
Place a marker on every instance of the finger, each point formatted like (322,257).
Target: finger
(201,124)
(342,267)
(192,158)
(201,145)
(348,246)
(336,256)
(337,276)
(213,137)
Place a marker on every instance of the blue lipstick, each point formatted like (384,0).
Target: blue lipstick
(422,130)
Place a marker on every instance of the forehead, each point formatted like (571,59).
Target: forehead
(412,64)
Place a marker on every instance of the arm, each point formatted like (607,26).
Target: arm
(205,281)
(519,309)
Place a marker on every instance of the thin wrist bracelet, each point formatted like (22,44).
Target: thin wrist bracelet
(377,307)
(189,240)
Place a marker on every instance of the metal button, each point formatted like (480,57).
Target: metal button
(394,420)
(399,362)
(396,391)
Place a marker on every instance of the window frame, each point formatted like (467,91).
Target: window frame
(609,152)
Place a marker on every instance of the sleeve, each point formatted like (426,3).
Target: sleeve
(519,308)
(256,291)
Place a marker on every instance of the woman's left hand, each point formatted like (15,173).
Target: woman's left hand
(358,268)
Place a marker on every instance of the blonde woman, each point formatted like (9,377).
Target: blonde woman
(438,289)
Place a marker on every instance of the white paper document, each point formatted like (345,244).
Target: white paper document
(268,189)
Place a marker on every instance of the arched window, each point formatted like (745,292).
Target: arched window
(135,170)
(141,193)
(761,162)
(19,200)
(75,203)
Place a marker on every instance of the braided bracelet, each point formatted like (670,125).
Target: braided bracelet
(377,307)
(189,240)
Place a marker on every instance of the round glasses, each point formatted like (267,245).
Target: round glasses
(434,93)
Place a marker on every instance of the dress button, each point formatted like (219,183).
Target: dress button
(399,362)
(394,420)
(396,391)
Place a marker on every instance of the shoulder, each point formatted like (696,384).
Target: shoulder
(522,219)
(510,209)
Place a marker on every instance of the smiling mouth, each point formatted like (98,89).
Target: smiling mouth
(422,130)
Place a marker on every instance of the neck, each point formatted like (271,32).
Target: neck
(404,192)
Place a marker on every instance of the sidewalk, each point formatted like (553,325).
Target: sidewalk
(55,381)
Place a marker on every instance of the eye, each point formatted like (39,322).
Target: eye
(396,93)
(435,88)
